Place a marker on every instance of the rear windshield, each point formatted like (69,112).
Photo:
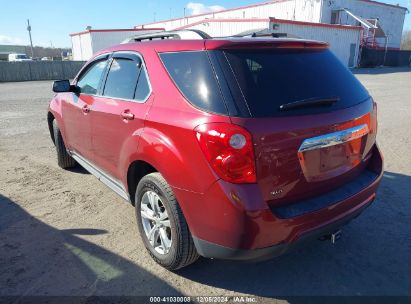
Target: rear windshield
(268,79)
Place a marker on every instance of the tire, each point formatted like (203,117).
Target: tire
(182,251)
(64,160)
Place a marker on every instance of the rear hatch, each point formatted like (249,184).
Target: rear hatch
(313,124)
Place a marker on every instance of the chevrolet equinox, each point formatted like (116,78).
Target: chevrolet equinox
(230,148)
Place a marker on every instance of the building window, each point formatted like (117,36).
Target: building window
(335,17)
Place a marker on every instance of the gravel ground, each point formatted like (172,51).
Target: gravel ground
(65,233)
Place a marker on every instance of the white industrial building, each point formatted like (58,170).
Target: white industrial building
(345,24)
(344,40)
(85,44)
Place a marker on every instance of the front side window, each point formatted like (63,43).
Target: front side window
(122,78)
(90,80)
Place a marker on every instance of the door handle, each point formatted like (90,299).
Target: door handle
(86,109)
(127,115)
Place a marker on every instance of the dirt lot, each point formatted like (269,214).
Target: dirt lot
(65,233)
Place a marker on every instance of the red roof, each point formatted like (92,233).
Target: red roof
(339,26)
(114,30)
(385,4)
(224,10)
(261,4)
(220,20)
(273,20)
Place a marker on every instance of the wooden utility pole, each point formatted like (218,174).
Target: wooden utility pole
(31,41)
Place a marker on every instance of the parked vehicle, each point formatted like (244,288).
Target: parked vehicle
(19,57)
(228,148)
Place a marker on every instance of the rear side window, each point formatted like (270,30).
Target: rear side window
(143,87)
(193,74)
(270,78)
(122,78)
(89,81)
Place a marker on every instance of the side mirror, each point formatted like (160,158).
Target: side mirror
(61,86)
(64,86)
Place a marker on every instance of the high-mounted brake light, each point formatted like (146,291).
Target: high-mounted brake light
(229,150)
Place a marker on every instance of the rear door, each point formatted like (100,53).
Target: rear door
(76,107)
(302,151)
(119,113)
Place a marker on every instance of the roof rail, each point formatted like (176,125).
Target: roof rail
(180,34)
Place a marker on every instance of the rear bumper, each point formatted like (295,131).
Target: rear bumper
(234,222)
(212,250)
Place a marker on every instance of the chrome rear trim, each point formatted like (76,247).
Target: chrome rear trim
(333,139)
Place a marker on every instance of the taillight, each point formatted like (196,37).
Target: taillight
(229,150)
(374,121)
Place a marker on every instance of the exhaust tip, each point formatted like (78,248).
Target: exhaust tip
(333,237)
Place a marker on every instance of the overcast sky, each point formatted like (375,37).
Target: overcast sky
(52,21)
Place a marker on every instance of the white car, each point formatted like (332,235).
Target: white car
(19,57)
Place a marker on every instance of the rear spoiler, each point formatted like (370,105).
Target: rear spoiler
(243,43)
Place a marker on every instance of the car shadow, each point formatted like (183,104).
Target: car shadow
(78,169)
(37,259)
(380,70)
(370,259)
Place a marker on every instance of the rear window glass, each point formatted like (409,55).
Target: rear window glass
(122,79)
(271,78)
(194,76)
(143,88)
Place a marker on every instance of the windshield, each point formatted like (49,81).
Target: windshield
(268,79)
(22,57)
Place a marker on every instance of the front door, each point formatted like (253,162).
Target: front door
(76,108)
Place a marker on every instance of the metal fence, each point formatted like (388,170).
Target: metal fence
(373,58)
(39,70)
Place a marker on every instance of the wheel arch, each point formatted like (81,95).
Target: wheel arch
(50,118)
(55,113)
(136,171)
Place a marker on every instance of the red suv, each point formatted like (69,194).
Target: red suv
(234,148)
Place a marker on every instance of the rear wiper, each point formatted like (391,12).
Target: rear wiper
(311,102)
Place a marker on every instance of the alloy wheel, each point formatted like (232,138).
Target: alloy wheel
(156,222)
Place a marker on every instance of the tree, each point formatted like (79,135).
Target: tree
(406,40)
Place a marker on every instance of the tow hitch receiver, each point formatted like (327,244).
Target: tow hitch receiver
(333,237)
